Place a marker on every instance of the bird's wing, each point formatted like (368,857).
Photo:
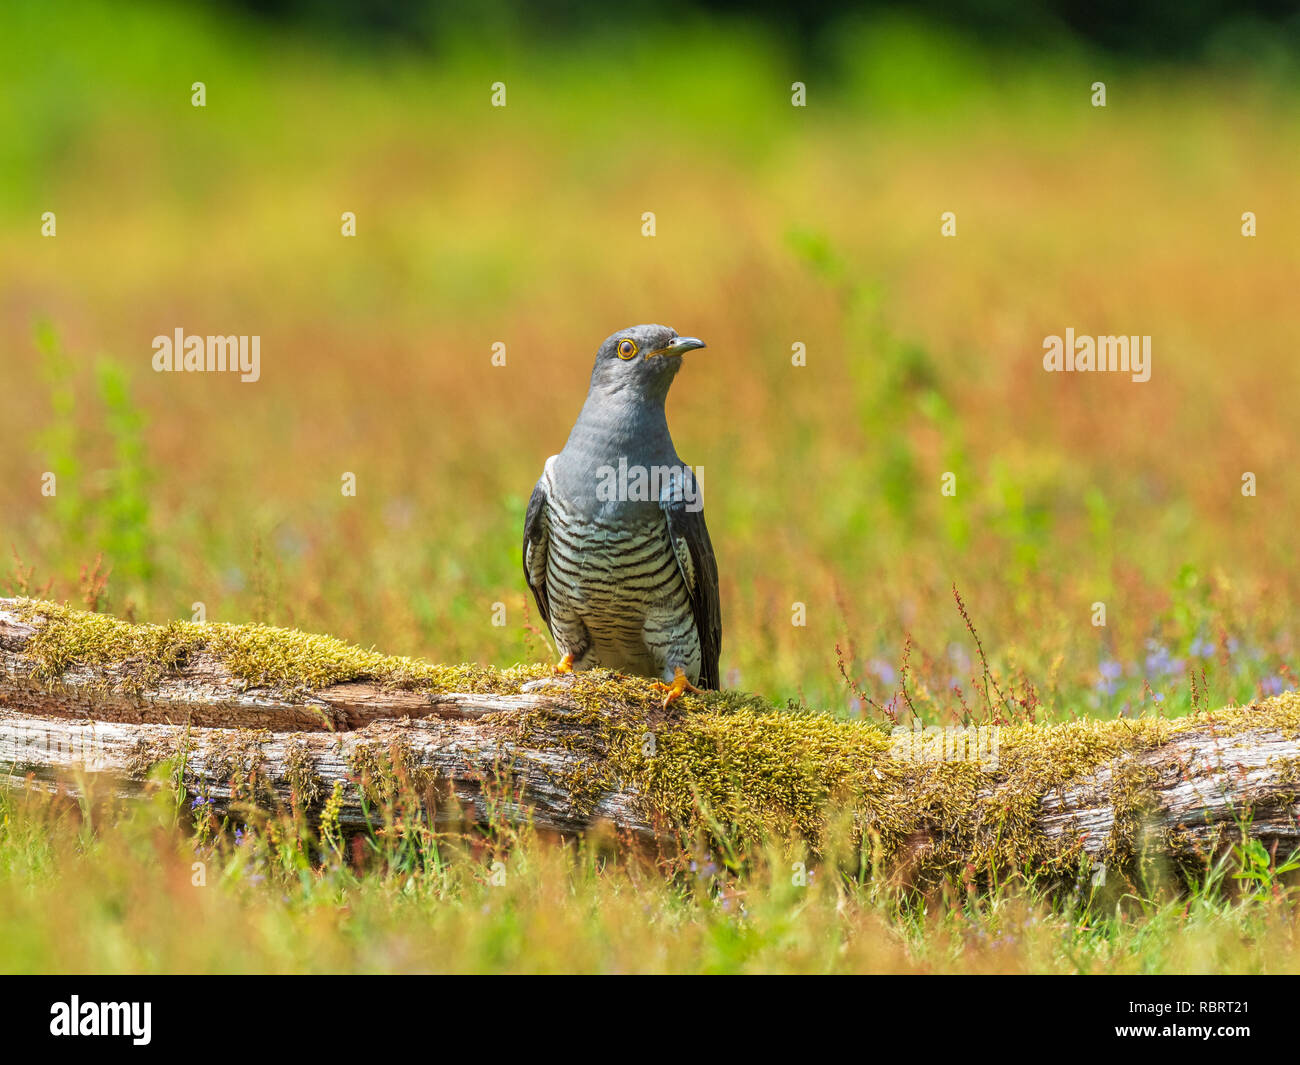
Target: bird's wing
(536,535)
(699,569)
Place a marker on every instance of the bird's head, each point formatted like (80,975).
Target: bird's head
(641,361)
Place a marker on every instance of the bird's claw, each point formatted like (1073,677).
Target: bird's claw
(674,690)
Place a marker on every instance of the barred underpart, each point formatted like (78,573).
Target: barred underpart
(617,595)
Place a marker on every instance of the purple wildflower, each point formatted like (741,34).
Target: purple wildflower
(1160,662)
(1273,685)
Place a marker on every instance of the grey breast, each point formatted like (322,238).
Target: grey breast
(616,590)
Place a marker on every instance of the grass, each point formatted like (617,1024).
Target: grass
(766,794)
(182,498)
(521,226)
(94,887)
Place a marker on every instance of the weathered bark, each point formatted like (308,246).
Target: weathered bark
(53,734)
(235,767)
(246,745)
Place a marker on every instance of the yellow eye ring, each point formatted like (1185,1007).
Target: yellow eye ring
(626,349)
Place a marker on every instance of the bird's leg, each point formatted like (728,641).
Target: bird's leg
(565,665)
(674,690)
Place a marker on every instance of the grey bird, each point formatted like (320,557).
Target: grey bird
(615,547)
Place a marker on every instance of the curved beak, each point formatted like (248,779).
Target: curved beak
(679,346)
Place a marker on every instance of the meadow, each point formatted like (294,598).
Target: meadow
(99,887)
(775,226)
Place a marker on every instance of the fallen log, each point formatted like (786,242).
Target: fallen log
(251,715)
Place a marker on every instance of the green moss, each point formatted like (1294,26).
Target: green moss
(143,758)
(238,761)
(386,771)
(258,655)
(306,785)
(148,755)
(742,771)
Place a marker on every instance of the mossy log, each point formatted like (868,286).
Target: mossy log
(256,715)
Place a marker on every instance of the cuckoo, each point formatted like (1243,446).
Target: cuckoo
(615,547)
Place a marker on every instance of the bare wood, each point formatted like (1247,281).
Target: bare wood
(233,767)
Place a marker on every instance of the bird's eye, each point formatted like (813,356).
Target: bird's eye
(626,348)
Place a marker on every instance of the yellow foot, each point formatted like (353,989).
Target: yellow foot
(674,690)
(565,665)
